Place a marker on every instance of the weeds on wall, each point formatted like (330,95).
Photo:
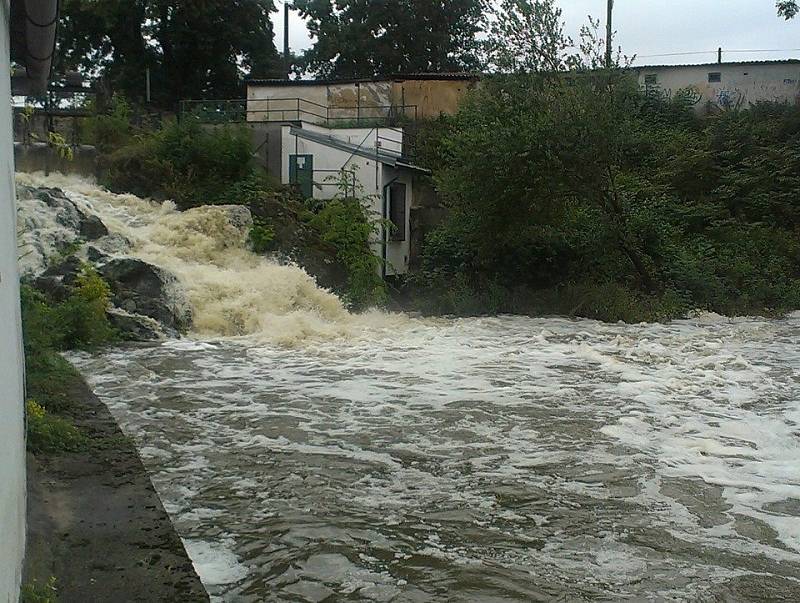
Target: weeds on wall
(347,223)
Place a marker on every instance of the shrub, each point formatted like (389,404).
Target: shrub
(345,223)
(183,161)
(34,592)
(261,236)
(79,321)
(51,434)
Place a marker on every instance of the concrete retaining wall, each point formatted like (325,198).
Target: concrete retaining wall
(12,431)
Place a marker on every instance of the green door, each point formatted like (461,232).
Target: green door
(301,174)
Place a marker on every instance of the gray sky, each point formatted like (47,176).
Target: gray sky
(653,27)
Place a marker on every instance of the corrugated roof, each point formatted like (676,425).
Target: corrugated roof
(460,76)
(723,64)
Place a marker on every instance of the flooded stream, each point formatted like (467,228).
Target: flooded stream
(496,459)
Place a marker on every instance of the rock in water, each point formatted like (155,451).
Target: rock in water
(134,327)
(142,288)
(51,224)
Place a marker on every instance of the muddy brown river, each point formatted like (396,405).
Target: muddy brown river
(495,459)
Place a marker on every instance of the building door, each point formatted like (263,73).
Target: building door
(301,174)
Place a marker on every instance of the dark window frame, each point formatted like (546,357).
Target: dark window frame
(397,211)
(714,77)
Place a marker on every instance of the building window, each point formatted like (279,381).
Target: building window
(651,79)
(397,211)
(714,77)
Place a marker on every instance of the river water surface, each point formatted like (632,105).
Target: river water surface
(495,459)
(308,454)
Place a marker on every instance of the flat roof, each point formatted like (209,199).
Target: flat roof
(456,76)
(723,64)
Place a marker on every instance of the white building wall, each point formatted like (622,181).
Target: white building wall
(740,85)
(12,432)
(371,177)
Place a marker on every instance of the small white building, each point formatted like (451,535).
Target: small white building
(366,162)
(323,161)
(718,86)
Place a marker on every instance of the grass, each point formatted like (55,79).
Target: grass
(36,592)
(49,433)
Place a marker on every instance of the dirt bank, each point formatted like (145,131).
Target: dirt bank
(96,523)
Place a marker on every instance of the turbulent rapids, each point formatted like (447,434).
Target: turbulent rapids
(232,291)
(382,458)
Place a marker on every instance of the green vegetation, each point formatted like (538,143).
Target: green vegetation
(34,592)
(77,322)
(183,162)
(261,237)
(192,50)
(425,36)
(572,191)
(582,195)
(49,433)
(346,224)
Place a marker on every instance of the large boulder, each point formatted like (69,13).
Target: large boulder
(138,287)
(296,241)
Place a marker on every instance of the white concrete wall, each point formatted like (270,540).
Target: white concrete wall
(741,84)
(371,177)
(12,432)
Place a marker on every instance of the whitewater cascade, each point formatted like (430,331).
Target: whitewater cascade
(233,292)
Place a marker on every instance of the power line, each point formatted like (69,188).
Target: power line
(681,54)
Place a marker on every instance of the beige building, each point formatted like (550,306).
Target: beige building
(337,102)
(716,86)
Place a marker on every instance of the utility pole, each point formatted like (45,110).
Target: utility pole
(609,34)
(287,63)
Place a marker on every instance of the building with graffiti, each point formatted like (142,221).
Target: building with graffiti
(720,86)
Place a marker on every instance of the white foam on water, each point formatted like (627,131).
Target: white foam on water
(233,292)
(599,460)
(214,562)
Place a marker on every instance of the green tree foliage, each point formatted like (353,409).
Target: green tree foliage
(365,38)
(193,49)
(566,186)
(183,162)
(787,8)
(527,36)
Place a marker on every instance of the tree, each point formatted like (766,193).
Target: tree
(527,36)
(787,8)
(193,50)
(366,38)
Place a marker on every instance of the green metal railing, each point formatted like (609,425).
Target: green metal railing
(296,109)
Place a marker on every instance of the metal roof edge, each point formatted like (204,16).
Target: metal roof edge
(717,64)
(392,160)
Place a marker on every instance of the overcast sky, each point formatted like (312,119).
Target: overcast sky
(656,27)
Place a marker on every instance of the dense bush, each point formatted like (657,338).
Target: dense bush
(183,161)
(345,223)
(583,195)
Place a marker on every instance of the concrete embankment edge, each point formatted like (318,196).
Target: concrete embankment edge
(96,523)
